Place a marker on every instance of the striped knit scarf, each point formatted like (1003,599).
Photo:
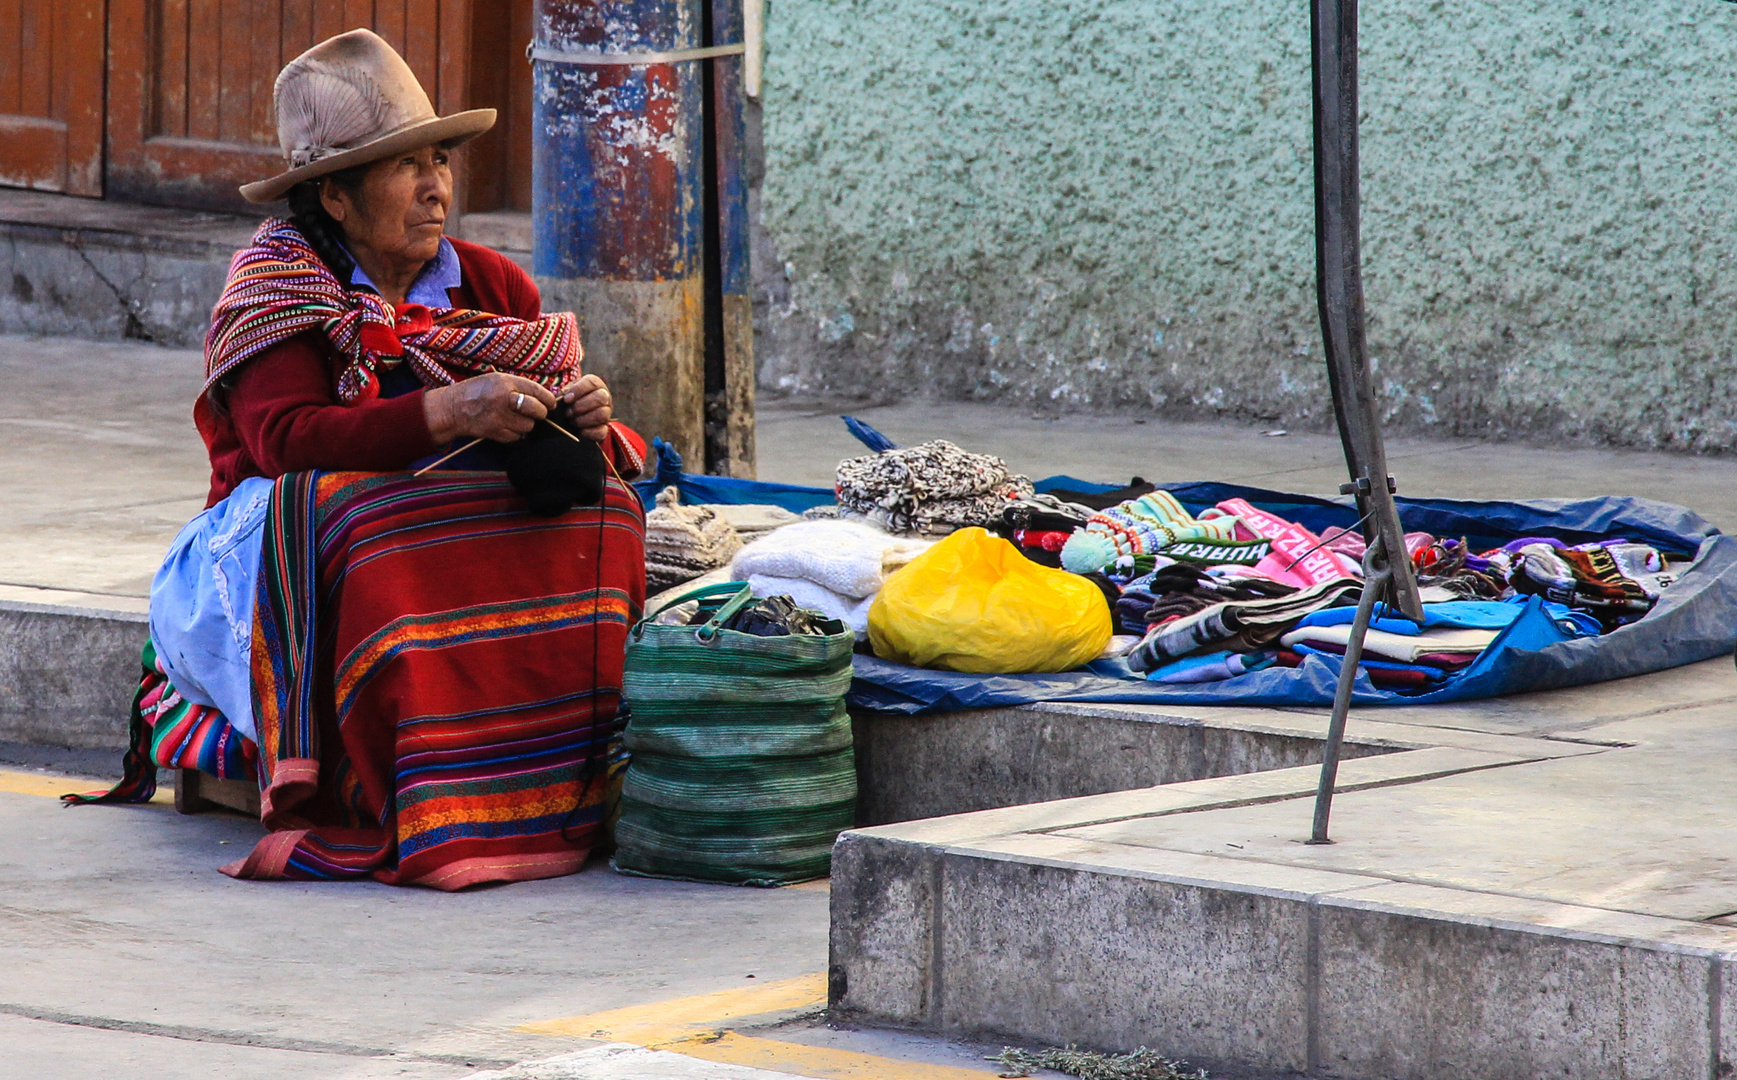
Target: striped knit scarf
(1147,525)
(278,287)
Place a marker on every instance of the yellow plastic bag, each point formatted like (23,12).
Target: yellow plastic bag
(974,603)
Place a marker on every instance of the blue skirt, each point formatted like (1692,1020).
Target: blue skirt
(202,604)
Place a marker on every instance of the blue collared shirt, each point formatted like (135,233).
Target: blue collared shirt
(429,288)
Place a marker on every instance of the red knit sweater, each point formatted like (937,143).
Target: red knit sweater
(283,411)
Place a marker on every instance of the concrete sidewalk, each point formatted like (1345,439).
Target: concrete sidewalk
(123,951)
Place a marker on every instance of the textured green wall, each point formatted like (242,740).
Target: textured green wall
(1107,204)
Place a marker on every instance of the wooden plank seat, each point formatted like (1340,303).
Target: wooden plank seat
(197,793)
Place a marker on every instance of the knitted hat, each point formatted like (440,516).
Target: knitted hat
(683,542)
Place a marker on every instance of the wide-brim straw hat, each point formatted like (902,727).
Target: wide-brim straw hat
(351,100)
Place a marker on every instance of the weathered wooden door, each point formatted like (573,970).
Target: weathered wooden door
(51,95)
(190,83)
(498,164)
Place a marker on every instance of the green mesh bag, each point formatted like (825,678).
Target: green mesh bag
(742,767)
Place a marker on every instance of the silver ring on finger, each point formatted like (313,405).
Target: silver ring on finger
(518,403)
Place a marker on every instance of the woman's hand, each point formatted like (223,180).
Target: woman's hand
(591,406)
(495,406)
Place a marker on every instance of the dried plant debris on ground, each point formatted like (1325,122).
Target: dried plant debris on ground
(1142,1064)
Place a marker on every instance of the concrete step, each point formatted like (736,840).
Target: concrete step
(110,271)
(69,663)
(915,767)
(1552,903)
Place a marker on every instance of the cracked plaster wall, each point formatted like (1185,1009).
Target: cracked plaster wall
(1108,205)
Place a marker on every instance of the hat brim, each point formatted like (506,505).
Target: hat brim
(445,130)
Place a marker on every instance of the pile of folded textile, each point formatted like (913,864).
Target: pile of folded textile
(1205,593)
(1615,581)
(1241,626)
(1399,654)
(1040,525)
(934,488)
(1233,589)
(1143,526)
(1447,570)
(833,567)
(1183,589)
(684,542)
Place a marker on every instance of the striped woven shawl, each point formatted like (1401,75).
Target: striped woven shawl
(278,287)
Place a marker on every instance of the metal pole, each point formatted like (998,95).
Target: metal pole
(618,202)
(1339,286)
(1376,577)
(729,286)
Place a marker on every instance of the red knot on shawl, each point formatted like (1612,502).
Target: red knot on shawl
(278,287)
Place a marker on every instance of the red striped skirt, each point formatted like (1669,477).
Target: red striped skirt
(436,677)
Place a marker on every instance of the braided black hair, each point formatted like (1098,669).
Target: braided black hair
(322,231)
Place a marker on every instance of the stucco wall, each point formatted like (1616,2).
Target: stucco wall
(1107,204)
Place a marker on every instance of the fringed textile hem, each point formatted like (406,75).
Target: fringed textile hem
(167,731)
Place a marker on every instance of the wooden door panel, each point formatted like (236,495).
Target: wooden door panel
(190,84)
(500,79)
(51,99)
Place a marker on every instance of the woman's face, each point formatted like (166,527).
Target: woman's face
(399,212)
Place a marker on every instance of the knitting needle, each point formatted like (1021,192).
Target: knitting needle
(444,460)
(561,429)
(576,438)
(473,442)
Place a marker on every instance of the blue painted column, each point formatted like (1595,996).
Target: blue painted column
(618,195)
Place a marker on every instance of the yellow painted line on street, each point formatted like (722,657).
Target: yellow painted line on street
(694,1026)
(13,782)
(667,1021)
(817,1062)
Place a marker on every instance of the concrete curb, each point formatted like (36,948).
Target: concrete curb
(1191,919)
(67,674)
(1253,967)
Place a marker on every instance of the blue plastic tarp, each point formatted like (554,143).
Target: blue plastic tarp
(699,488)
(1695,619)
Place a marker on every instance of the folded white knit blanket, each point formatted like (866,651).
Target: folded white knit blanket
(849,558)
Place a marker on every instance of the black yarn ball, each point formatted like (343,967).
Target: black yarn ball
(552,471)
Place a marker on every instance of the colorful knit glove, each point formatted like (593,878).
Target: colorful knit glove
(1143,526)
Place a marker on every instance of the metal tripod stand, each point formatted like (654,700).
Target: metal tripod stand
(1339,290)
